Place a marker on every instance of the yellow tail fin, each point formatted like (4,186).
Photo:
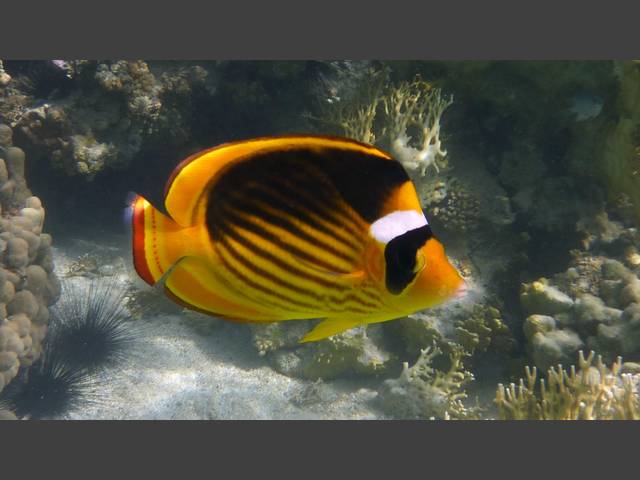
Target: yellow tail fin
(158,242)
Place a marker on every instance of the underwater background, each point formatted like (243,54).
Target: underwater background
(529,174)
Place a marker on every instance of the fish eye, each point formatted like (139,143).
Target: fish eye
(421,262)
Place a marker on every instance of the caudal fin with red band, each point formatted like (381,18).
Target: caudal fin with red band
(157,241)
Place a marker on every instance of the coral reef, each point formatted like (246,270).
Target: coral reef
(87,117)
(607,146)
(424,392)
(476,324)
(28,284)
(592,392)
(452,205)
(594,303)
(533,191)
(404,118)
(357,352)
(419,106)
(5,78)
(104,123)
(484,329)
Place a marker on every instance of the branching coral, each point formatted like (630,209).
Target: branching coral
(416,105)
(356,117)
(422,391)
(387,115)
(593,392)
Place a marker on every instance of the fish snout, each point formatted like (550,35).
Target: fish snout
(461,291)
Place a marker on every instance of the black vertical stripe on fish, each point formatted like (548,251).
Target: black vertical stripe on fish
(292,269)
(363,180)
(260,293)
(324,201)
(322,300)
(327,209)
(319,281)
(291,207)
(266,214)
(236,218)
(277,261)
(268,276)
(400,258)
(269,292)
(240,291)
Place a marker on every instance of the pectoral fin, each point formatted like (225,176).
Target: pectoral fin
(329,327)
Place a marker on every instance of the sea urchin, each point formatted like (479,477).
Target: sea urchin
(90,325)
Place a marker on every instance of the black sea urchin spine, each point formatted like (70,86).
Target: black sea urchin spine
(89,331)
(49,388)
(91,326)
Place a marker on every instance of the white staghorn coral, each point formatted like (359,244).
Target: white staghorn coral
(416,105)
(592,392)
(404,118)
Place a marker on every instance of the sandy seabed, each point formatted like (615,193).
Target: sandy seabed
(174,372)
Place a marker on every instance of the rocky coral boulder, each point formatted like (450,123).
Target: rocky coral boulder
(28,284)
(542,298)
(594,303)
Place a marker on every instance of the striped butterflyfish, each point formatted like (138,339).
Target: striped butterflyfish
(293,227)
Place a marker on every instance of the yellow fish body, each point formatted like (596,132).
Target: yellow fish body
(293,227)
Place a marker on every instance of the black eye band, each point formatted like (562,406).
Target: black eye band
(400,258)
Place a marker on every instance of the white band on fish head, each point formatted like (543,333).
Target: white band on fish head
(395,224)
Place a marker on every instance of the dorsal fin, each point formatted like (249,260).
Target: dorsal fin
(194,176)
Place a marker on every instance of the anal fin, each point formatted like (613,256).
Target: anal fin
(329,327)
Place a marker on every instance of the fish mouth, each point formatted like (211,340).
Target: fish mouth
(461,291)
